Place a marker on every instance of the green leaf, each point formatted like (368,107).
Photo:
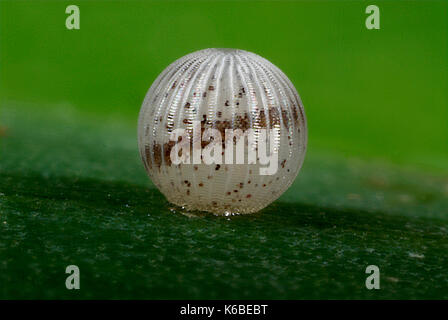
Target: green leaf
(73,191)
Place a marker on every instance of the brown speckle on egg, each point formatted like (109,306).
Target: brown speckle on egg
(283,163)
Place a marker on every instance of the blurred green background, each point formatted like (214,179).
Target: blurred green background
(373,189)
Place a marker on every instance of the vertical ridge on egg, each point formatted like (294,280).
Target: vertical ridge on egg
(222,89)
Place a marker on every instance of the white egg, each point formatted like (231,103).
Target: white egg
(233,92)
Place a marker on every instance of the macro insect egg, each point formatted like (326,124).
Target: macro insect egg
(223,131)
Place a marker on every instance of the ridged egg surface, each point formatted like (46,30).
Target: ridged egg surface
(222,89)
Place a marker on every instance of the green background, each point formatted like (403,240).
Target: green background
(373,188)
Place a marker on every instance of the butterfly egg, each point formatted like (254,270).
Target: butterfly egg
(223,131)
